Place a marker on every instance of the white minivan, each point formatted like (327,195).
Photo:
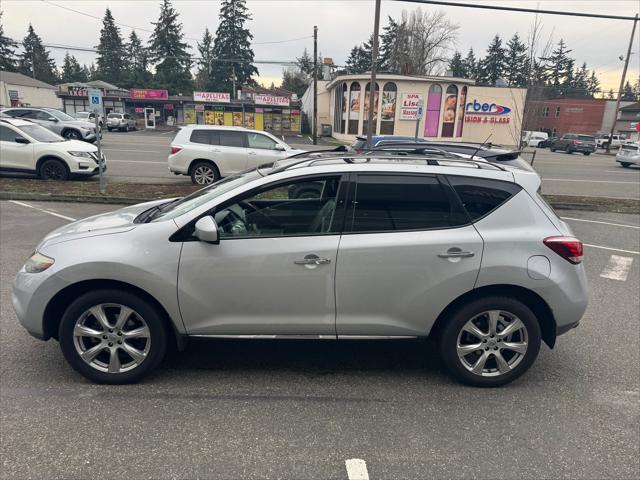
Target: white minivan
(532,139)
(207,152)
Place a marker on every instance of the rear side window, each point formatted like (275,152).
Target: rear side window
(480,196)
(200,136)
(403,202)
(587,138)
(229,138)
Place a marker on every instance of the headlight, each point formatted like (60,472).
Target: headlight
(81,154)
(38,263)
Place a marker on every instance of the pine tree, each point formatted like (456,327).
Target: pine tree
(593,84)
(388,41)
(558,67)
(516,65)
(7,51)
(456,66)
(492,65)
(35,60)
(86,73)
(610,95)
(71,70)
(305,63)
(580,82)
(110,51)
(93,72)
(204,75)
(233,45)
(137,73)
(294,80)
(358,61)
(627,92)
(470,65)
(169,53)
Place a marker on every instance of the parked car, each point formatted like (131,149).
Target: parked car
(56,121)
(89,117)
(360,143)
(532,139)
(573,142)
(616,141)
(546,143)
(390,248)
(629,154)
(27,147)
(207,153)
(121,121)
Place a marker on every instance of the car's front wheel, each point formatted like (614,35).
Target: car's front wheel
(490,341)
(53,169)
(72,135)
(625,164)
(112,336)
(204,173)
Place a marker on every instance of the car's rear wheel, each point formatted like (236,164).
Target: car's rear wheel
(490,341)
(112,336)
(204,173)
(72,135)
(53,169)
(625,164)
(568,150)
(586,153)
(552,149)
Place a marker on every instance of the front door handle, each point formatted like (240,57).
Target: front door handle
(312,260)
(456,253)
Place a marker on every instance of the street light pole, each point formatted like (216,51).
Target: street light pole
(374,66)
(624,74)
(315,85)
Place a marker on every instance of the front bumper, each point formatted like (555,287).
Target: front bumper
(583,148)
(30,296)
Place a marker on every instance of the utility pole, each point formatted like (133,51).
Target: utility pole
(315,85)
(624,74)
(233,79)
(374,67)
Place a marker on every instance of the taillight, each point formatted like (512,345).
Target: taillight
(574,142)
(175,150)
(569,248)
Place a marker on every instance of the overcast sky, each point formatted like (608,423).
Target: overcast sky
(341,25)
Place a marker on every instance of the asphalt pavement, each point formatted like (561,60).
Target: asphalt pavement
(300,410)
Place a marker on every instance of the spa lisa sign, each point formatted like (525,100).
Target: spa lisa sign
(411,106)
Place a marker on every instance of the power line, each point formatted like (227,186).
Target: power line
(518,9)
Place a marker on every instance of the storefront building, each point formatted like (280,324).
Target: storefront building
(438,107)
(75,97)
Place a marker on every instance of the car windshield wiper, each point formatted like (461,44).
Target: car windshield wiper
(153,212)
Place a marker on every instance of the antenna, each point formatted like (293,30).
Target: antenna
(481,145)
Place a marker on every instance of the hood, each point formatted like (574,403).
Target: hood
(118,221)
(294,151)
(78,146)
(81,124)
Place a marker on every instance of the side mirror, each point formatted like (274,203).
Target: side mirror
(21,140)
(280,147)
(207,230)
(52,119)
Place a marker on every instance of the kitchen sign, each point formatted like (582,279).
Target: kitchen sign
(271,100)
(411,106)
(217,97)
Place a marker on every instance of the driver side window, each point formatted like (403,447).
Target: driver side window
(302,207)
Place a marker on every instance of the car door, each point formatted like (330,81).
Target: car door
(233,152)
(273,271)
(262,149)
(14,155)
(407,251)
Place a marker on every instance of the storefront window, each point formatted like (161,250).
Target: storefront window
(237,119)
(388,108)
(449,115)
(354,108)
(433,111)
(296,125)
(340,108)
(250,120)
(367,99)
(461,105)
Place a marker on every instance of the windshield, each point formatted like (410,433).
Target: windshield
(586,138)
(207,194)
(60,115)
(114,115)
(82,115)
(41,134)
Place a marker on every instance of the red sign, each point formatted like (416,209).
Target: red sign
(139,110)
(271,100)
(199,107)
(211,97)
(144,94)
(168,106)
(485,119)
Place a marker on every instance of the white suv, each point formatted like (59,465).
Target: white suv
(207,152)
(30,148)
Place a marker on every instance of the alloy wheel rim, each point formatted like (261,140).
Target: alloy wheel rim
(203,175)
(112,338)
(492,343)
(53,171)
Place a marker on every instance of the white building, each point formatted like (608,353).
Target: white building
(19,90)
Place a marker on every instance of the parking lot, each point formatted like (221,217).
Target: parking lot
(278,409)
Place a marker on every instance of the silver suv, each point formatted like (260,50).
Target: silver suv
(121,121)
(58,122)
(462,251)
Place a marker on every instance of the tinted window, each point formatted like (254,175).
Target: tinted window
(230,138)
(586,138)
(301,207)
(256,140)
(113,115)
(200,136)
(480,196)
(17,113)
(402,202)
(8,135)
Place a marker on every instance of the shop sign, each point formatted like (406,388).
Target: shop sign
(145,94)
(168,106)
(200,108)
(139,110)
(219,97)
(494,113)
(77,91)
(411,106)
(13,95)
(271,100)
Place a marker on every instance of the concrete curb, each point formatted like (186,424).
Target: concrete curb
(560,202)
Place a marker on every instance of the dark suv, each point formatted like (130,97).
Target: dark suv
(573,142)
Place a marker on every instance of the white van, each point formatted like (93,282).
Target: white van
(532,139)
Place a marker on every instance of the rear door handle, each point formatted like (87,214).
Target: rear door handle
(312,260)
(456,253)
(251,153)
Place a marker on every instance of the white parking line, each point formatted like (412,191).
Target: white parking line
(633,252)
(356,469)
(603,223)
(135,161)
(15,202)
(617,268)
(130,151)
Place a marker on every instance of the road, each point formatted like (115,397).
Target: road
(300,410)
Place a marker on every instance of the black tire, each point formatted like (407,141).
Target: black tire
(72,135)
(552,149)
(53,169)
(586,154)
(457,319)
(109,129)
(126,129)
(568,150)
(625,164)
(204,173)
(154,322)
